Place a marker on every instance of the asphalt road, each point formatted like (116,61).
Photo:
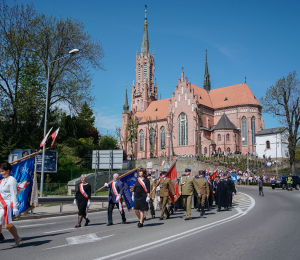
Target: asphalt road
(256,228)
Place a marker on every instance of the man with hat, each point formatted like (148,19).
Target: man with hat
(222,193)
(203,191)
(186,190)
(165,184)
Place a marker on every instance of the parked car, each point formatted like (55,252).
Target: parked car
(280,182)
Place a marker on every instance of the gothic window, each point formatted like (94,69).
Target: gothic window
(253,130)
(219,137)
(150,87)
(139,88)
(139,71)
(141,140)
(185,96)
(189,101)
(227,137)
(175,103)
(205,150)
(152,139)
(182,129)
(145,71)
(162,138)
(268,145)
(151,73)
(178,97)
(244,131)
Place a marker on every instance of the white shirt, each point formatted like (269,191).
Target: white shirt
(8,186)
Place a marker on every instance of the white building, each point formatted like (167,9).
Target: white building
(267,140)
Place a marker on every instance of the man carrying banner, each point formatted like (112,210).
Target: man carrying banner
(8,202)
(202,188)
(186,189)
(165,185)
(115,198)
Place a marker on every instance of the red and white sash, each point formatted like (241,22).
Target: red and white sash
(144,187)
(7,206)
(117,194)
(82,190)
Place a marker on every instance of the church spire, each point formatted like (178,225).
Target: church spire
(145,43)
(126,106)
(206,84)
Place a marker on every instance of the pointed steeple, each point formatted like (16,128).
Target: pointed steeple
(206,84)
(126,106)
(145,43)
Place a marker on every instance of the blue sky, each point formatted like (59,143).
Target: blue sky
(256,39)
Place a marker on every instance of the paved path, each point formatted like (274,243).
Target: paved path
(256,228)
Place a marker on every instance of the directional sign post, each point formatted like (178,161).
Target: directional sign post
(233,177)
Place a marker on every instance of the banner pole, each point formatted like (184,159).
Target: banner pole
(26,157)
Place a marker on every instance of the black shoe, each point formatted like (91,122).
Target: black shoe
(153,216)
(87,222)
(227,208)
(161,218)
(145,218)
(1,237)
(124,221)
(187,218)
(77,226)
(109,224)
(168,217)
(219,210)
(198,210)
(140,225)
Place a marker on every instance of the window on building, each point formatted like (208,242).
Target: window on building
(244,131)
(152,139)
(268,145)
(139,88)
(182,129)
(205,150)
(139,71)
(189,102)
(145,71)
(227,137)
(178,97)
(151,88)
(151,73)
(185,96)
(175,103)
(162,138)
(219,137)
(141,137)
(253,130)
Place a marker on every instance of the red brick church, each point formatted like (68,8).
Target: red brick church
(229,116)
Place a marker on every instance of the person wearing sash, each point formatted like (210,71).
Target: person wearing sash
(116,191)
(141,195)
(8,202)
(165,185)
(83,200)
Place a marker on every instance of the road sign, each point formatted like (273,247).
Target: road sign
(106,158)
(50,161)
(233,177)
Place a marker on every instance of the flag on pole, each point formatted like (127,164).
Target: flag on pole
(45,138)
(54,135)
(162,163)
(172,174)
(215,173)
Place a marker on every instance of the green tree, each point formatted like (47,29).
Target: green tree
(108,142)
(282,101)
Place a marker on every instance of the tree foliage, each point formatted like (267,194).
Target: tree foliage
(282,101)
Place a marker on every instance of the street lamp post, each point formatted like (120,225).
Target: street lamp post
(72,52)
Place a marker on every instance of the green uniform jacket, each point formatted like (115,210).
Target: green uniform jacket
(289,180)
(152,185)
(202,186)
(187,185)
(165,185)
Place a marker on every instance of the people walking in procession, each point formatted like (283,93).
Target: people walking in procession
(141,195)
(116,191)
(289,183)
(222,193)
(165,185)
(8,202)
(260,187)
(83,200)
(202,188)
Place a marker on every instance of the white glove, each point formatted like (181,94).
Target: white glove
(132,198)
(147,199)
(16,212)
(88,204)
(233,193)
(118,198)
(106,185)
(74,202)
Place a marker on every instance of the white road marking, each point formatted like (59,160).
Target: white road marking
(89,238)
(35,225)
(179,236)
(48,232)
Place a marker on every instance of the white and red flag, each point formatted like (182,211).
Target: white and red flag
(172,174)
(54,135)
(162,163)
(45,138)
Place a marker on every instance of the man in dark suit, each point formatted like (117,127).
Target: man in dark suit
(116,190)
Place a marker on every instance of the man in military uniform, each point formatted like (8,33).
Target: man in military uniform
(186,190)
(165,184)
(203,190)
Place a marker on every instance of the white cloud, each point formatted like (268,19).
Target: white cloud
(108,122)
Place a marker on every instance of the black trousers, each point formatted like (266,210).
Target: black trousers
(111,206)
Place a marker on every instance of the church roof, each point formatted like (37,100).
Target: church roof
(202,96)
(239,94)
(270,131)
(224,124)
(157,110)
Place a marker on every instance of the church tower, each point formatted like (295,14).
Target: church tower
(144,91)
(125,121)
(206,84)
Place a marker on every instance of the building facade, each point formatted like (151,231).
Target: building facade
(226,118)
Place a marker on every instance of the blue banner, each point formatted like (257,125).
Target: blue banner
(23,172)
(128,182)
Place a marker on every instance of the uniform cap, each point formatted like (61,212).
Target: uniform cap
(188,170)
(201,172)
(163,172)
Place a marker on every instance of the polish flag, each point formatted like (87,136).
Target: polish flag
(45,138)
(54,135)
(162,163)
(245,174)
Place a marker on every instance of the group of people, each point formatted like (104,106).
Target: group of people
(205,189)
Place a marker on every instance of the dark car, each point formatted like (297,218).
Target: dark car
(280,182)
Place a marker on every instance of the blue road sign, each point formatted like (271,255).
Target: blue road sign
(233,177)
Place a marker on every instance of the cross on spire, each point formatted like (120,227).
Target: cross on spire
(182,68)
